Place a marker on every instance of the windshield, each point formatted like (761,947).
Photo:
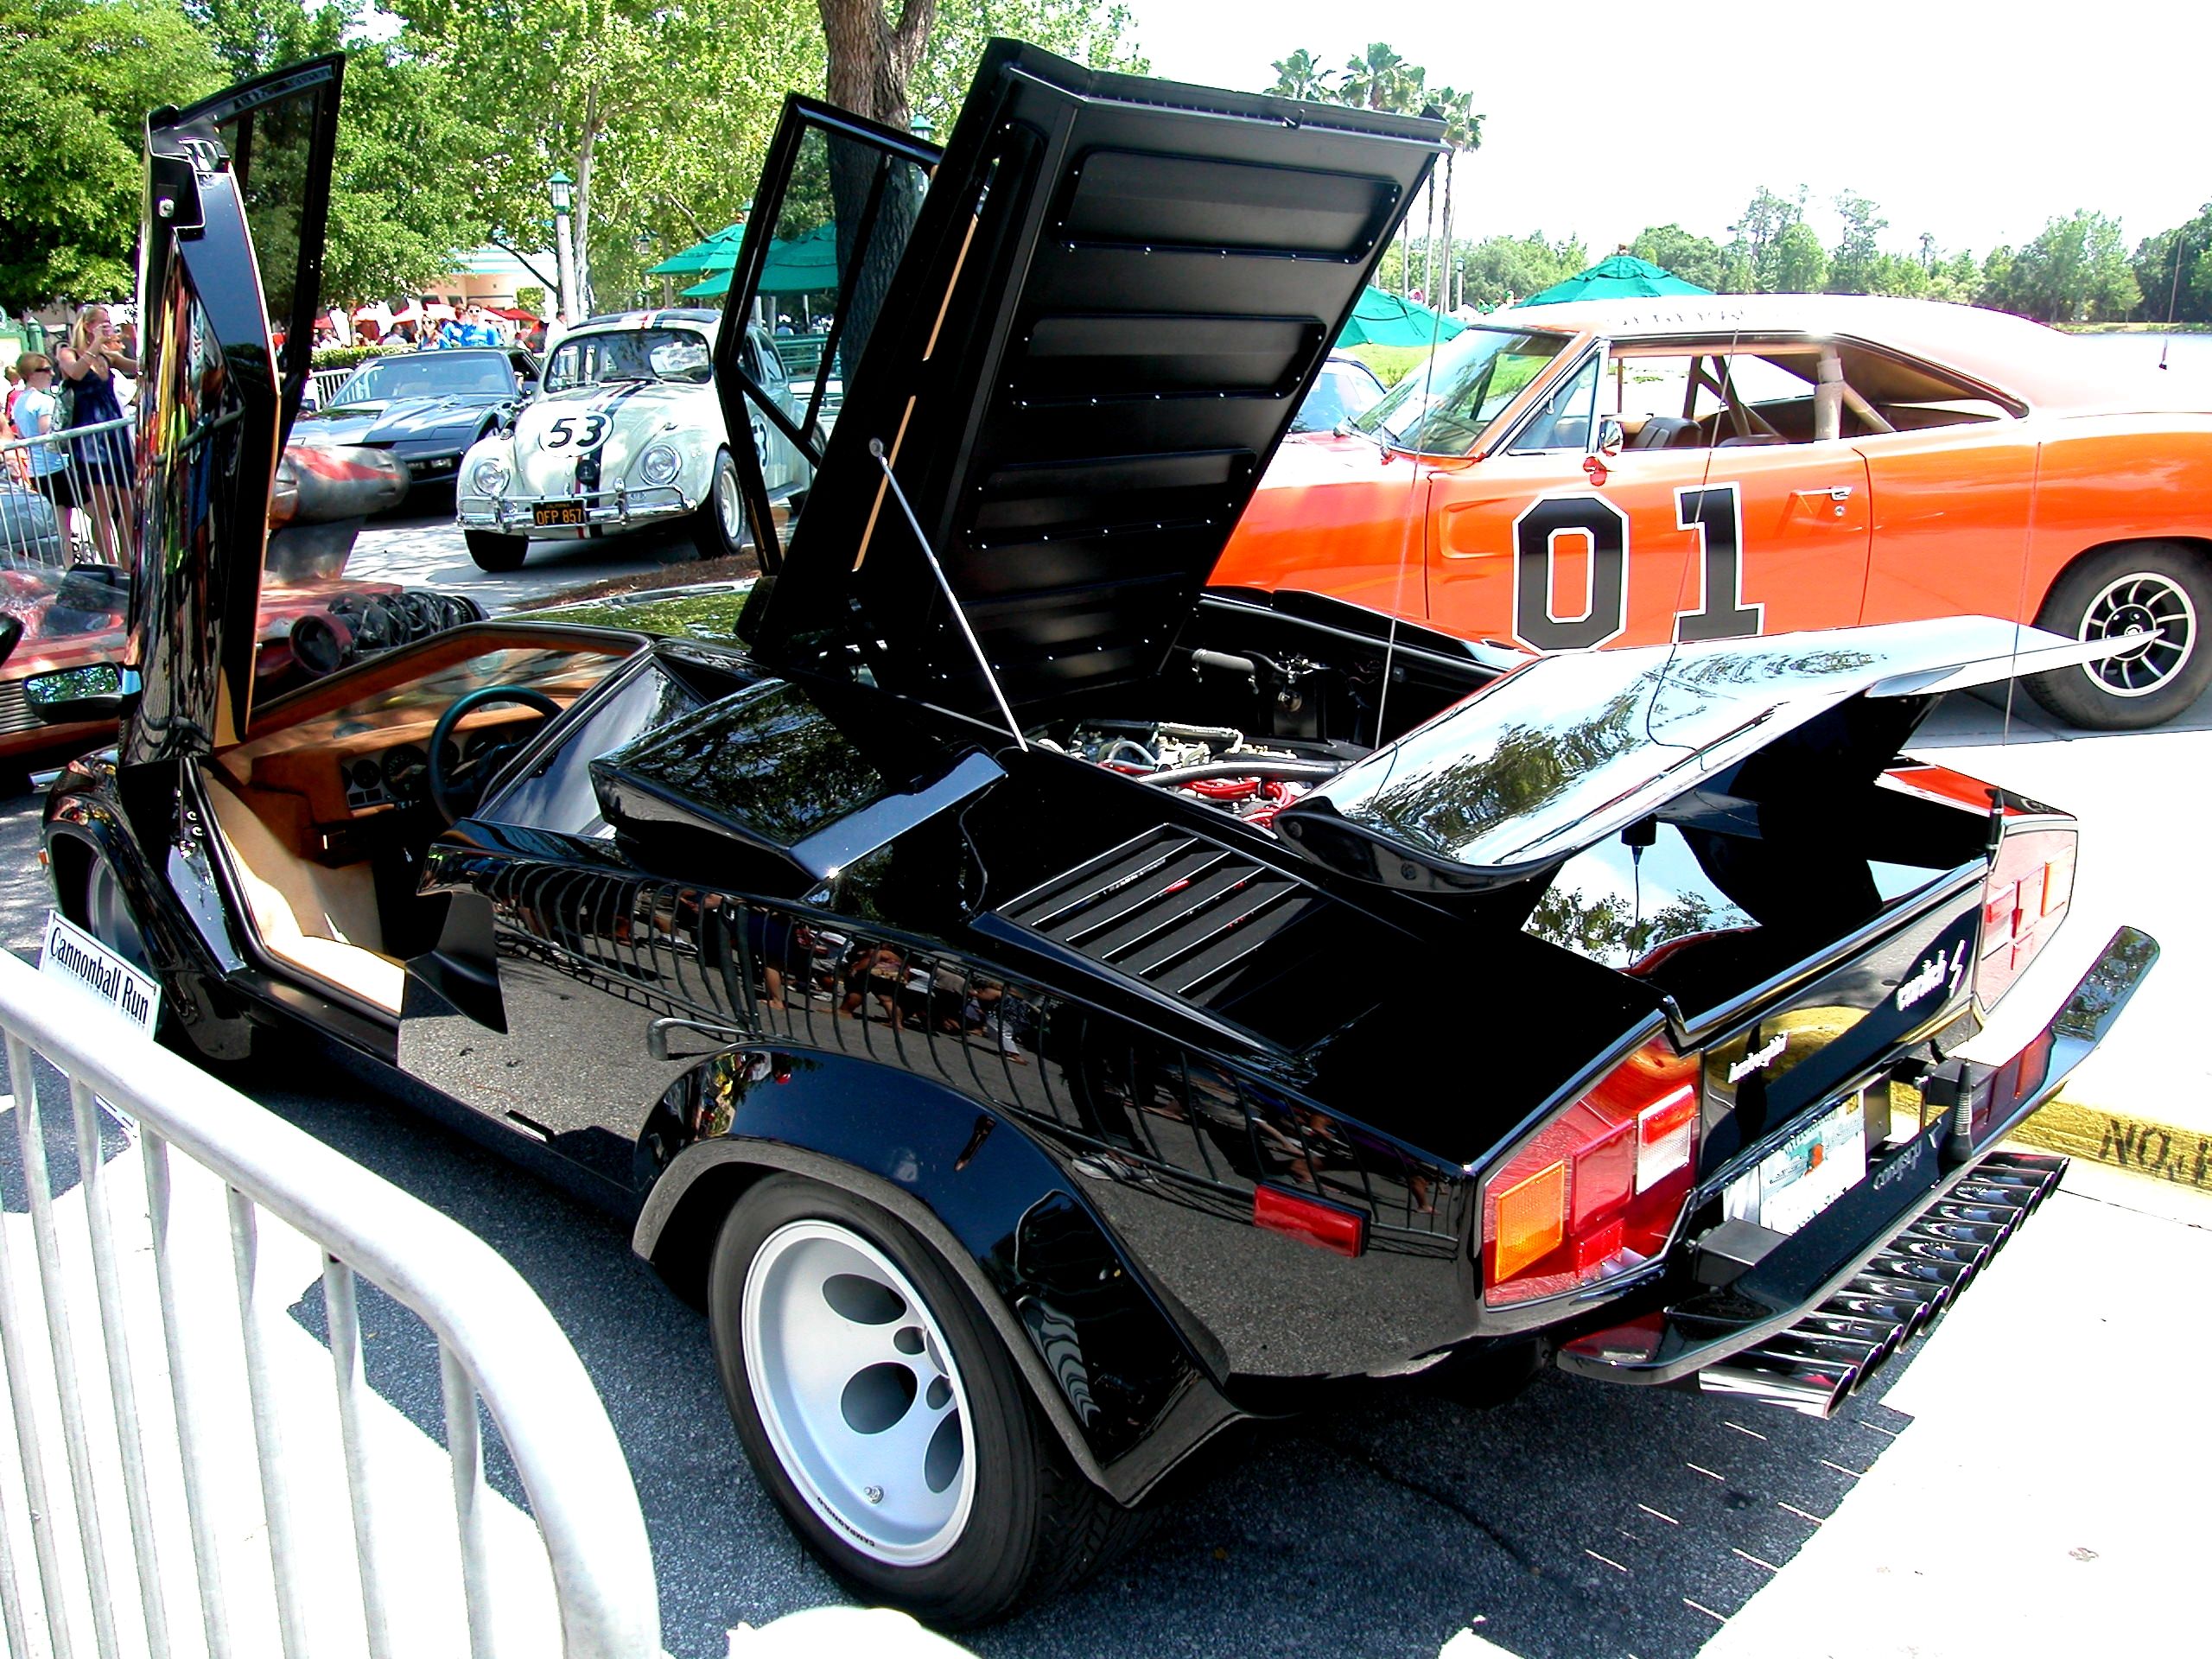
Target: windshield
(678,354)
(1444,409)
(440,374)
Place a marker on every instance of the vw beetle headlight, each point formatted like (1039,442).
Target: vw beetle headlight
(488,478)
(659,465)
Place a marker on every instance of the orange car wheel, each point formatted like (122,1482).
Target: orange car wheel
(2159,594)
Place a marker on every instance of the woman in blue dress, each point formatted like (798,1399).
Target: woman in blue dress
(103,461)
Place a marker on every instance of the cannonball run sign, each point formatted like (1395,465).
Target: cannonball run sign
(71,955)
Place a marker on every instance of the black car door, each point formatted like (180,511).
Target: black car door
(238,192)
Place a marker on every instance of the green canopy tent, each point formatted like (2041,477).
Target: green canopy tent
(1382,319)
(717,252)
(801,265)
(1624,276)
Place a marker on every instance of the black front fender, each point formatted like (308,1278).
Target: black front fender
(1103,1360)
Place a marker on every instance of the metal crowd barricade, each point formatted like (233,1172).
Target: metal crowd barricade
(65,498)
(216,1493)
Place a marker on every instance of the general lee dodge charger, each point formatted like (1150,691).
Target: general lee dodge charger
(1044,1012)
(1630,472)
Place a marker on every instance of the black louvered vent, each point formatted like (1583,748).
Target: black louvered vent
(1213,926)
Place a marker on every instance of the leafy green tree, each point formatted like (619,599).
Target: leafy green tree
(399,213)
(660,110)
(81,75)
(2075,270)
(1852,267)
(1756,229)
(1500,270)
(1693,258)
(1096,37)
(1795,263)
(2174,270)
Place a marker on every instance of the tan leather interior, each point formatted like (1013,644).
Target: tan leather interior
(320,920)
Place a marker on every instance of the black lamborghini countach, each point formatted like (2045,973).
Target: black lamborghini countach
(1047,1011)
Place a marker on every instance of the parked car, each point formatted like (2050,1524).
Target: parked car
(1047,1014)
(1346,390)
(624,435)
(427,407)
(1626,472)
(57,686)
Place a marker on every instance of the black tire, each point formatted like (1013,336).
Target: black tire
(717,527)
(2165,585)
(1032,1526)
(495,552)
(189,1012)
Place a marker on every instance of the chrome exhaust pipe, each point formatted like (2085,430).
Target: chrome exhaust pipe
(1983,1236)
(1881,1333)
(2004,1219)
(1809,1390)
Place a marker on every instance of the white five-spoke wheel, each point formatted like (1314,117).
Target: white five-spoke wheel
(858,1392)
(884,1413)
(2153,598)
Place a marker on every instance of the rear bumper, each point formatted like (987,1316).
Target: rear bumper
(1906,1235)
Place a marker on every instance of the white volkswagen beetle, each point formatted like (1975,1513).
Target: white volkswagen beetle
(625,433)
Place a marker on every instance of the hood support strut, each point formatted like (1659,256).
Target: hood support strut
(922,541)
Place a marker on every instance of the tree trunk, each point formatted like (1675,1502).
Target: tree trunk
(871,59)
(584,153)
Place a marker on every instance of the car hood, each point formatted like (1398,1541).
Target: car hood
(396,421)
(1564,750)
(1114,296)
(549,431)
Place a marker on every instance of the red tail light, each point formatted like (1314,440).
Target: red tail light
(1599,1188)
(2026,895)
(1331,1226)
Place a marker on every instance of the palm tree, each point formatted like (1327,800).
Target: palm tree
(1463,130)
(1376,81)
(1299,76)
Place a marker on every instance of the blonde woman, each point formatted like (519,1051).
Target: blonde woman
(103,462)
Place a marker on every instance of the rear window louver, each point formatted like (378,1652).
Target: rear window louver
(1207,924)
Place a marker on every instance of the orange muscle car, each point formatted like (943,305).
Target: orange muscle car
(1628,473)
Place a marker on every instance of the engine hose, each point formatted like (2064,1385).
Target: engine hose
(1314,771)
(1114,751)
(1214,737)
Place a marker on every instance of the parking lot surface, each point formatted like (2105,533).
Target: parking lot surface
(2022,1480)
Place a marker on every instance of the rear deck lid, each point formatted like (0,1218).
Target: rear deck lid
(1567,750)
(1112,296)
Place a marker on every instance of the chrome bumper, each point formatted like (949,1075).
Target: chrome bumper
(1909,1205)
(620,508)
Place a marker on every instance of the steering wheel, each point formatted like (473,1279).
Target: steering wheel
(453,793)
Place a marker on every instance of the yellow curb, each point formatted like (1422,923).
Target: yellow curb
(2141,1146)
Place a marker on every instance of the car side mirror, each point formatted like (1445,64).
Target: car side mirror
(70,696)
(1611,439)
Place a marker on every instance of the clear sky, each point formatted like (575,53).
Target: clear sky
(1975,122)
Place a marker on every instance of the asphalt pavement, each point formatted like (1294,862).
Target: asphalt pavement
(2023,1480)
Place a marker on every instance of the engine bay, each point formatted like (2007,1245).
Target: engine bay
(1250,777)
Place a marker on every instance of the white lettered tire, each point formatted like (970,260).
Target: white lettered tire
(882,1410)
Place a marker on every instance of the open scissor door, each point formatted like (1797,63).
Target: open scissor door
(238,191)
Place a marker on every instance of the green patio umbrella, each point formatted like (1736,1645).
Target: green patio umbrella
(801,264)
(1382,319)
(1624,276)
(717,252)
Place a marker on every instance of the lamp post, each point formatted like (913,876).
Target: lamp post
(563,190)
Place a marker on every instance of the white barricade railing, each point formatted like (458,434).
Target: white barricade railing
(66,497)
(326,382)
(218,1494)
